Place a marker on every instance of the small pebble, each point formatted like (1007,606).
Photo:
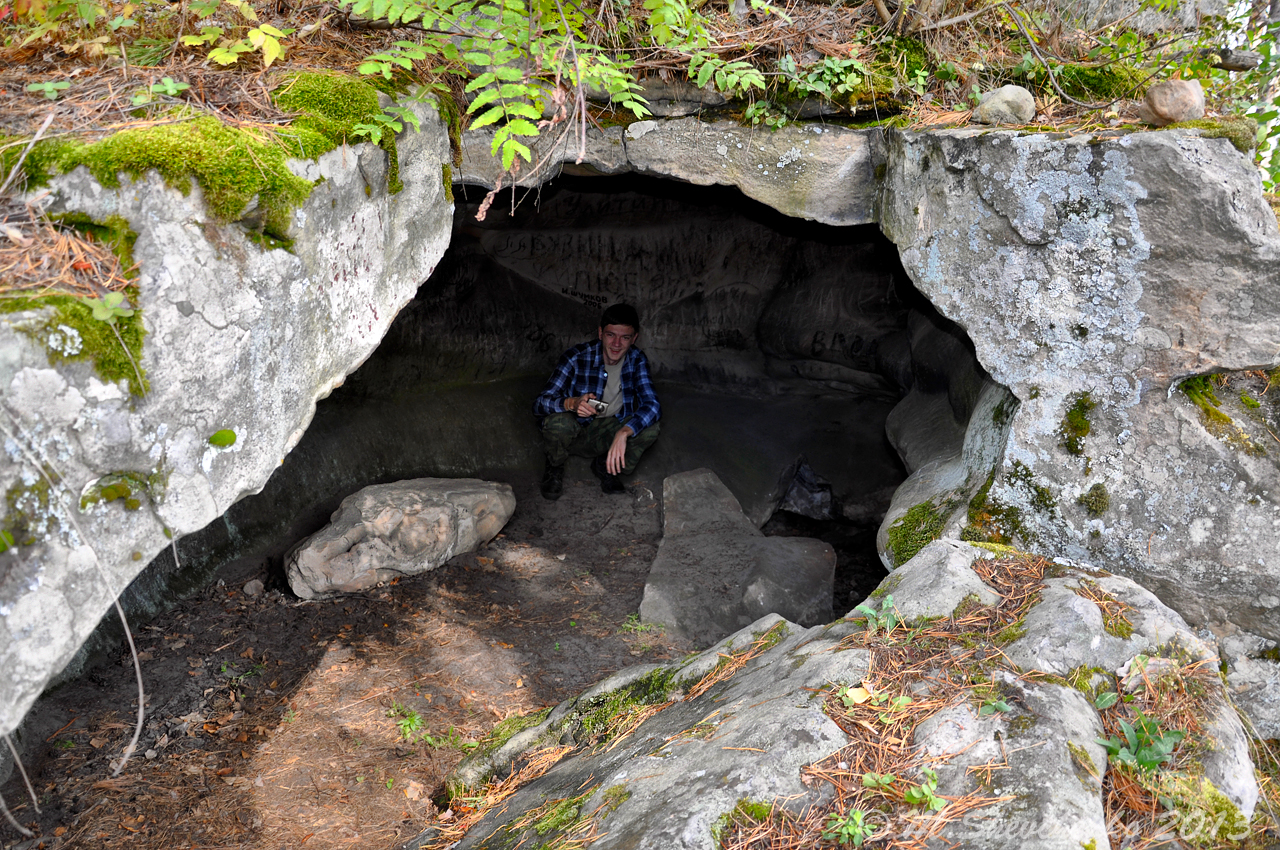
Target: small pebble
(253,588)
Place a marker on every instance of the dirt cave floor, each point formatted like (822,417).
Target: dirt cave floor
(274,722)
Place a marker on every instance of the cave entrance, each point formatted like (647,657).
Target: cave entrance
(778,348)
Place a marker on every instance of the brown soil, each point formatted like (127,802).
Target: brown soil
(276,723)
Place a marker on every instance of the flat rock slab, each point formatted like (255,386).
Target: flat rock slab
(398,529)
(715,572)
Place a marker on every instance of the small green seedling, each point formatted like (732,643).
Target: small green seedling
(1145,745)
(926,793)
(853,828)
(390,782)
(108,308)
(223,438)
(409,721)
(991,705)
(167,86)
(1105,700)
(878,781)
(6,541)
(885,618)
(49,88)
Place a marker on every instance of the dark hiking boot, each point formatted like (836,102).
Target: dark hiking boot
(552,482)
(608,483)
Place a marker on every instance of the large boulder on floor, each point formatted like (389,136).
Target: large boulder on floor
(716,573)
(398,529)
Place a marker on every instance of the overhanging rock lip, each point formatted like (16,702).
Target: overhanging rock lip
(827,174)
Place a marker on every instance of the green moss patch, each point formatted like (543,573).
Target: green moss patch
(920,525)
(71,333)
(1075,425)
(330,106)
(29,517)
(129,487)
(1240,130)
(1096,500)
(606,715)
(1201,391)
(231,166)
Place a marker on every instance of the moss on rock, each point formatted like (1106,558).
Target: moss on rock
(330,105)
(1076,425)
(71,333)
(1240,130)
(1096,500)
(920,525)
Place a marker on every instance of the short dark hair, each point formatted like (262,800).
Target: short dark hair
(621,314)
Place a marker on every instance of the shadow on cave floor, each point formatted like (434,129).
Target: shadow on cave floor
(274,722)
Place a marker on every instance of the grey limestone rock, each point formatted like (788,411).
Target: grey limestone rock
(1056,801)
(1006,105)
(1065,631)
(937,580)
(715,572)
(676,775)
(825,174)
(239,337)
(1067,264)
(400,529)
(1253,676)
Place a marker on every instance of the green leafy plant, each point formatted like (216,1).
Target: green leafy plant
(168,86)
(853,828)
(6,541)
(926,793)
(878,781)
(108,309)
(1144,744)
(991,705)
(408,720)
(632,625)
(886,618)
(1105,700)
(393,119)
(49,88)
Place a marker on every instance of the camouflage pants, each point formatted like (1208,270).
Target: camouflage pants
(563,435)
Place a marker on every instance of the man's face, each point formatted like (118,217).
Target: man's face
(617,339)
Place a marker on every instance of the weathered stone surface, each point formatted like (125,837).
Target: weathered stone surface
(400,529)
(1254,680)
(238,338)
(1067,262)
(678,784)
(1056,803)
(1066,631)
(1006,105)
(715,572)
(937,580)
(1171,101)
(824,174)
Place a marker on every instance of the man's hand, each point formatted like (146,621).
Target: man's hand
(616,459)
(581,405)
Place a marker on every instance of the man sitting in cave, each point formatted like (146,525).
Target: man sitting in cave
(599,403)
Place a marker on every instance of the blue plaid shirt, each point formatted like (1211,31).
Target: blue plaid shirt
(581,371)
